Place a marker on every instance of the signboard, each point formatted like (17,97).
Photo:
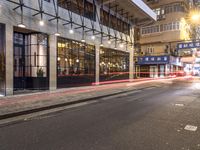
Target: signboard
(188,45)
(153,60)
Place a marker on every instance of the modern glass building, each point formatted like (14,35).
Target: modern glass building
(50,44)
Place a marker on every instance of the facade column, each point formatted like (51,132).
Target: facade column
(97,69)
(9,59)
(131,65)
(131,57)
(52,62)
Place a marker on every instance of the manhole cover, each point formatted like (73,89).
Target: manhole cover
(190,128)
(180,105)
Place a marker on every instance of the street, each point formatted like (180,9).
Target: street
(152,118)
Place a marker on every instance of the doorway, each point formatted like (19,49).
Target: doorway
(30,62)
(153,71)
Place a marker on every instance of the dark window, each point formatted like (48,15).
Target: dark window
(114,22)
(2,59)
(114,64)
(77,6)
(47,0)
(75,63)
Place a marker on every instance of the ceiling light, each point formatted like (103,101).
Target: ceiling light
(93,37)
(83,40)
(71,31)
(101,45)
(41,22)
(57,34)
(109,41)
(21,25)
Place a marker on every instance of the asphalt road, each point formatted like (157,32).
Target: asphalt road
(150,119)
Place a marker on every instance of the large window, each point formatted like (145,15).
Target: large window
(30,61)
(172,26)
(114,64)
(76,63)
(114,22)
(2,59)
(77,6)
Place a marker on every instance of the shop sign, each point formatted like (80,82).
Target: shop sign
(188,45)
(153,60)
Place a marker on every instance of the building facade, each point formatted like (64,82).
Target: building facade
(50,44)
(157,51)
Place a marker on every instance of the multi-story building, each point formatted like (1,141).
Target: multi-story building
(49,44)
(158,54)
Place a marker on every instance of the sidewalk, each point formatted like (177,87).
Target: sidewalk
(24,104)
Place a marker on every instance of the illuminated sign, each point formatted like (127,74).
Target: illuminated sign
(153,60)
(188,45)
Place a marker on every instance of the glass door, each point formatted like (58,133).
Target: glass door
(153,71)
(31,61)
(19,68)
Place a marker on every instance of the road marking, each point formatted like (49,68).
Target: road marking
(180,105)
(190,128)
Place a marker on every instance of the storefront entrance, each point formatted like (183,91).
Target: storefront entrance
(153,71)
(30,61)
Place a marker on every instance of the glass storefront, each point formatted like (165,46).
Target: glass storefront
(31,61)
(2,59)
(114,65)
(75,63)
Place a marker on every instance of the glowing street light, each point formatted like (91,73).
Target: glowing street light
(195,16)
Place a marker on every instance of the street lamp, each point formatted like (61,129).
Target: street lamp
(195,16)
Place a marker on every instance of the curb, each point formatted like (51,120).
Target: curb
(34,110)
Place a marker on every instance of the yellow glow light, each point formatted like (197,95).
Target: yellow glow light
(195,16)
